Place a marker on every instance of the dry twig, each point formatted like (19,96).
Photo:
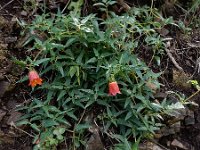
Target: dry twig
(172,58)
(6,4)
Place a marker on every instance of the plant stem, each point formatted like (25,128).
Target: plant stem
(192,95)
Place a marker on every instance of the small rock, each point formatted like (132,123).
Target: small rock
(10,39)
(3,22)
(1,76)
(198,116)
(12,104)
(156,147)
(145,146)
(94,142)
(167,131)
(190,113)
(158,135)
(176,126)
(178,144)
(14,116)
(164,31)
(160,95)
(3,46)
(149,146)
(178,114)
(189,121)
(4,86)
(181,79)
(24,13)
(2,114)
(6,138)
(14,19)
(172,129)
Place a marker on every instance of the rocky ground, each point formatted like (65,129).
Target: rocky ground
(181,132)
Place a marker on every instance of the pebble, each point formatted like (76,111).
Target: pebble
(189,119)
(4,86)
(178,144)
(14,117)
(2,114)
(149,146)
(24,13)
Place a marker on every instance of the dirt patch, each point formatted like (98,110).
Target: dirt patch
(11,94)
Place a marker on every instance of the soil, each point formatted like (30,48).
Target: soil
(186,51)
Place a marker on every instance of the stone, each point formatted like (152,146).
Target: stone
(180,79)
(149,146)
(145,146)
(169,130)
(10,39)
(178,144)
(189,119)
(3,22)
(13,118)
(24,13)
(4,86)
(176,126)
(94,142)
(156,147)
(160,95)
(12,104)
(6,138)
(2,114)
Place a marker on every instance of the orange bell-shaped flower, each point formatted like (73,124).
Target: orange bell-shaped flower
(114,88)
(34,78)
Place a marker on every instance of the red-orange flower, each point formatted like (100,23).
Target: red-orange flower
(114,88)
(34,78)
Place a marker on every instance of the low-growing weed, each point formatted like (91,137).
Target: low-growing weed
(89,66)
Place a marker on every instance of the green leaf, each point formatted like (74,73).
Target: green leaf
(82,127)
(128,115)
(60,68)
(80,57)
(91,60)
(136,144)
(71,114)
(72,71)
(38,117)
(38,62)
(23,122)
(86,19)
(63,120)
(61,94)
(89,91)
(70,42)
(49,123)
(35,127)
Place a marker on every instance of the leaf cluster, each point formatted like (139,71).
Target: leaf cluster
(78,57)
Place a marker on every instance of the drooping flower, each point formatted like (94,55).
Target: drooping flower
(34,78)
(114,88)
